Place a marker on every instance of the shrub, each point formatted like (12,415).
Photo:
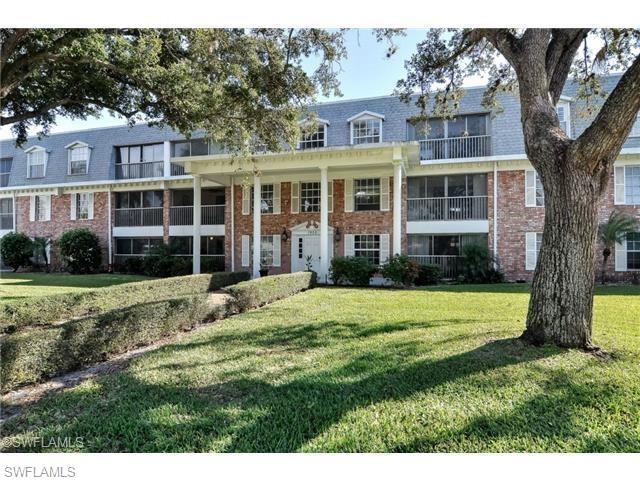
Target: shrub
(33,355)
(58,308)
(133,265)
(258,292)
(16,249)
(211,264)
(477,264)
(401,270)
(429,275)
(80,249)
(351,270)
(224,279)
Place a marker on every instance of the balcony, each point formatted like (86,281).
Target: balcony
(210,215)
(450,265)
(177,170)
(6,221)
(457,147)
(447,208)
(138,217)
(126,171)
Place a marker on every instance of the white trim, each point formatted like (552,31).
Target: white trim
(233,226)
(313,120)
(495,213)
(205,230)
(619,180)
(384,194)
(621,256)
(277,251)
(448,227)
(276,198)
(245,251)
(76,144)
(365,113)
(73,210)
(135,232)
(349,244)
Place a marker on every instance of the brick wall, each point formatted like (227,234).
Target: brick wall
(374,222)
(61,222)
(514,220)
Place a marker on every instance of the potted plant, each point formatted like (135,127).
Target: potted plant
(264,269)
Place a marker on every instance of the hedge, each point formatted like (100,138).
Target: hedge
(258,292)
(224,279)
(58,308)
(33,355)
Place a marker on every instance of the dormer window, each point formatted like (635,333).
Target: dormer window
(563,110)
(78,163)
(635,130)
(36,162)
(313,134)
(366,127)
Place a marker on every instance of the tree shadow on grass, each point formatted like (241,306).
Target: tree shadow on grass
(125,413)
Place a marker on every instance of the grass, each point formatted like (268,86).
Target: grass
(14,286)
(337,369)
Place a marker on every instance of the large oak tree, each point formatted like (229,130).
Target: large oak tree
(239,85)
(535,64)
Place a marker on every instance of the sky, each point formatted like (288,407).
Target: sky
(365,73)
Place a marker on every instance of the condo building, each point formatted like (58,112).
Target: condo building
(367,180)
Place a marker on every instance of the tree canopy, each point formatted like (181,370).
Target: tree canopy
(238,85)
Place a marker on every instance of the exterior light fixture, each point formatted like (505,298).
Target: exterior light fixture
(284,235)
(338,235)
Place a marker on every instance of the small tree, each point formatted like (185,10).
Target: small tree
(401,270)
(80,249)
(614,231)
(16,250)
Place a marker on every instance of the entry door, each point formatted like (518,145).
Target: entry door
(308,247)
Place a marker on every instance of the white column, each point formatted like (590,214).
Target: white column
(324,225)
(233,229)
(110,230)
(397,209)
(495,214)
(167,158)
(197,218)
(257,217)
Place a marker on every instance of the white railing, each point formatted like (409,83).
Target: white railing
(139,170)
(450,265)
(138,217)
(211,215)
(447,208)
(457,147)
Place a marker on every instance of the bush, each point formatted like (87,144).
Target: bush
(258,292)
(429,275)
(33,355)
(58,308)
(131,265)
(352,271)
(401,270)
(477,264)
(16,249)
(224,279)
(80,249)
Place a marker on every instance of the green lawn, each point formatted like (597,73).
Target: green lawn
(366,370)
(14,286)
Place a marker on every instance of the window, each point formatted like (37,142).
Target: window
(212,245)
(83,204)
(533,242)
(141,153)
(366,194)
(366,130)
(266,250)
(78,160)
(136,246)
(367,246)
(146,199)
(36,162)
(632,184)
(5,171)
(635,130)
(563,110)
(6,213)
(191,148)
(313,139)
(309,196)
(534,193)
(633,251)
(438,186)
(266,197)
(42,208)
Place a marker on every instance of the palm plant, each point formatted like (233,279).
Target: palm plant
(614,231)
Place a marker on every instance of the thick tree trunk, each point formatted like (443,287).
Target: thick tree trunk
(561,305)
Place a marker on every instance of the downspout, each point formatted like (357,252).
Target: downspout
(109,229)
(495,214)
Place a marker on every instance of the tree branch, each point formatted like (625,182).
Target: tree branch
(603,139)
(560,53)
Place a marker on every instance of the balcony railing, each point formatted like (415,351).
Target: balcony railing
(177,170)
(450,265)
(211,215)
(6,221)
(138,217)
(447,208)
(458,147)
(139,170)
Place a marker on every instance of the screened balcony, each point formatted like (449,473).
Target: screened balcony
(138,209)
(444,251)
(212,209)
(140,161)
(447,197)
